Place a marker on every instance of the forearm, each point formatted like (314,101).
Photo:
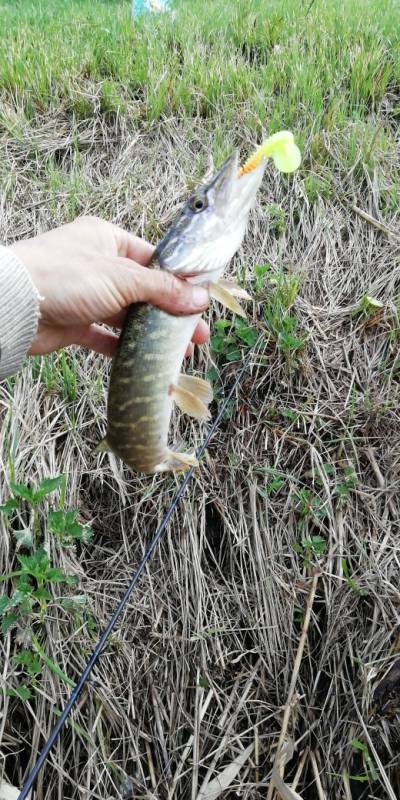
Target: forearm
(19,312)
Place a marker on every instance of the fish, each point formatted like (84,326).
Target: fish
(146,377)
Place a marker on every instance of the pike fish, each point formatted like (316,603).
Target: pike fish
(146,375)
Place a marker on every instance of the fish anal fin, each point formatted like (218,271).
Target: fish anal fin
(196,386)
(177,461)
(224,296)
(182,460)
(188,402)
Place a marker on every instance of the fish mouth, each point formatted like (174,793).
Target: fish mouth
(200,246)
(231,187)
(223,181)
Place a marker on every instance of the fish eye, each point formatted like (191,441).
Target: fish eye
(199,203)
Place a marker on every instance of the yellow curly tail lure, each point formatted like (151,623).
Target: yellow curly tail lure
(281,148)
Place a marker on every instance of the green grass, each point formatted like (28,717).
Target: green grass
(284,66)
(244,70)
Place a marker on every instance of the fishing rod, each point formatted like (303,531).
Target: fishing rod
(134,580)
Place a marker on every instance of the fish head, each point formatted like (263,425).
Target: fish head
(211,225)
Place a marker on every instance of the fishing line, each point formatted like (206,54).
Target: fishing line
(135,577)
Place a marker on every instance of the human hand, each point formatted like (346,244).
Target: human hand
(89,272)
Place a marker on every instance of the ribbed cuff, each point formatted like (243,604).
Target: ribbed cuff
(19,312)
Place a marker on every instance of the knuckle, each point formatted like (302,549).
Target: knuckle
(171,286)
(179,290)
(91,219)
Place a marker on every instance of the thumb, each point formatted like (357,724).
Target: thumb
(160,288)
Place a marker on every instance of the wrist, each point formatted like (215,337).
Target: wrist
(19,311)
(29,257)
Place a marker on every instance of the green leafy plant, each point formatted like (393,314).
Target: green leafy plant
(351,583)
(325,474)
(275,484)
(310,549)
(277,219)
(368,306)
(32,590)
(347,485)
(22,692)
(328,470)
(316,186)
(64,525)
(290,415)
(276,480)
(230,338)
(22,491)
(261,272)
(278,291)
(371,772)
(29,662)
(36,579)
(280,318)
(298,616)
(394,333)
(309,505)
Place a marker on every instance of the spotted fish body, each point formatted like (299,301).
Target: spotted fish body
(148,361)
(146,374)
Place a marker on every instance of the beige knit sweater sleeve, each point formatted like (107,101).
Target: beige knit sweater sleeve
(19,312)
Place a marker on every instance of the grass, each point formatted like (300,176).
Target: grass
(323,66)
(102,116)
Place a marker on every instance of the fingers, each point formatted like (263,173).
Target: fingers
(98,339)
(201,333)
(200,336)
(112,239)
(117,320)
(162,289)
(132,247)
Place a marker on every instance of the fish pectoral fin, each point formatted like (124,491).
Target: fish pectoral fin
(180,461)
(196,386)
(102,446)
(234,289)
(226,297)
(188,402)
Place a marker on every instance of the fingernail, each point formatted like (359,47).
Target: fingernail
(200,296)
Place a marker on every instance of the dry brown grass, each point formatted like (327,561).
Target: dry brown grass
(199,668)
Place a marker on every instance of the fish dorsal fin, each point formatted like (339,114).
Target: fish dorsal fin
(224,292)
(197,386)
(188,402)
